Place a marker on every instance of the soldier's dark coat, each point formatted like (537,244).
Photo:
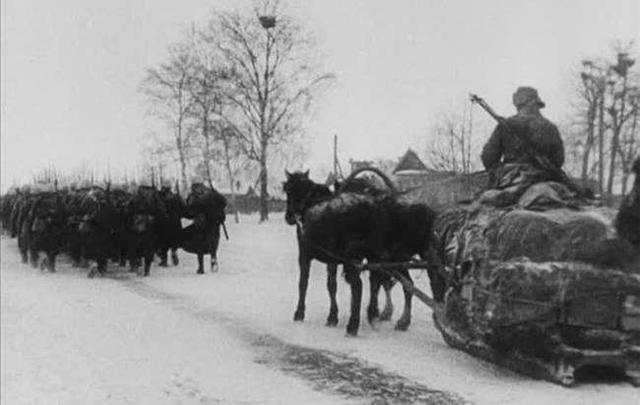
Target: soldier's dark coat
(170,229)
(143,214)
(206,206)
(519,138)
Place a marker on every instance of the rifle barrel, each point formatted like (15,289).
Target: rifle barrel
(480,101)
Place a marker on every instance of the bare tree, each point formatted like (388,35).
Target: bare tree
(211,111)
(630,141)
(590,93)
(166,89)
(272,82)
(607,108)
(618,110)
(451,147)
(234,160)
(205,91)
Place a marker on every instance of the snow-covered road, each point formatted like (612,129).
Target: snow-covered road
(179,338)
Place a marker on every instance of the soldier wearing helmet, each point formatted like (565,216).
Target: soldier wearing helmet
(525,138)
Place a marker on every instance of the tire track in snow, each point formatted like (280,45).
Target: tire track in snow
(327,371)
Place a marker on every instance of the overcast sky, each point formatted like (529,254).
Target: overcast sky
(70,69)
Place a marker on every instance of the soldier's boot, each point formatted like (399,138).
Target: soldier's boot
(174,258)
(34,259)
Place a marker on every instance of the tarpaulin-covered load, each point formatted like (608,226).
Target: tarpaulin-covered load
(522,292)
(497,234)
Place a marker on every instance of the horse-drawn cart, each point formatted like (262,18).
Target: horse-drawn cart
(521,293)
(530,279)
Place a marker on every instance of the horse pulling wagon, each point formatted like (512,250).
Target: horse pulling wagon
(540,286)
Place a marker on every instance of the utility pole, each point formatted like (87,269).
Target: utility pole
(337,170)
(335,156)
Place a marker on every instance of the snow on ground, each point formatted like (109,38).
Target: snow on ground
(67,339)
(176,337)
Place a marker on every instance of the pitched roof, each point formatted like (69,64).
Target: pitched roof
(410,161)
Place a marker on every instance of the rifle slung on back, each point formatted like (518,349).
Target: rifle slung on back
(541,162)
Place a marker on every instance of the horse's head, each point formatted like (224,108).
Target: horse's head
(297,188)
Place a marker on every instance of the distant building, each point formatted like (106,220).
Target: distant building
(411,172)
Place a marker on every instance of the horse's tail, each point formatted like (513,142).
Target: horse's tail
(387,181)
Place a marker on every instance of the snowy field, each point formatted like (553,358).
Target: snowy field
(228,338)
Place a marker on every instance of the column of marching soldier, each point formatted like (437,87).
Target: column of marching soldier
(124,224)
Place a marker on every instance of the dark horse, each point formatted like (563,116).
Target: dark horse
(320,193)
(348,228)
(206,207)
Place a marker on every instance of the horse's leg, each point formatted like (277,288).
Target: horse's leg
(438,283)
(332,287)
(162,254)
(388,307)
(405,320)
(435,270)
(215,241)
(174,256)
(353,278)
(375,280)
(305,263)
(200,264)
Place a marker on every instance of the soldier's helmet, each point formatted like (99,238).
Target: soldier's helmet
(198,187)
(197,183)
(526,95)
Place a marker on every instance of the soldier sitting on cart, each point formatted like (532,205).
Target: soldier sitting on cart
(523,150)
